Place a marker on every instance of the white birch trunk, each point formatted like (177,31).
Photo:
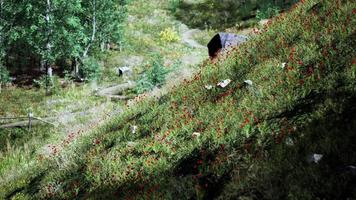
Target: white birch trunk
(102,46)
(1,33)
(76,70)
(49,29)
(44,62)
(1,5)
(85,54)
(48,44)
(42,65)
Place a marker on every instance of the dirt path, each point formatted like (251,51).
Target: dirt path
(87,117)
(187,38)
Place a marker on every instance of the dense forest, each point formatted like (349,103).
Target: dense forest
(38,35)
(121,99)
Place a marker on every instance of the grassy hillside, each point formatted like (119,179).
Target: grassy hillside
(74,106)
(244,141)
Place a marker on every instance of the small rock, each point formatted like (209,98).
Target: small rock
(196,135)
(314,158)
(289,142)
(351,169)
(263,22)
(224,83)
(248,82)
(131,144)
(123,71)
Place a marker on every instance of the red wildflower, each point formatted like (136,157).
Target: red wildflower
(300,62)
(301,82)
(96,142)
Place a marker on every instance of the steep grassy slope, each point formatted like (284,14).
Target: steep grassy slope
(142,36)
(252,140)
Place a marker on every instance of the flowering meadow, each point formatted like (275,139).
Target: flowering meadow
(291,92)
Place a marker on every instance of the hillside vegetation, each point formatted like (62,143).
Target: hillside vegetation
(219,14)
(73,106)
(292,95)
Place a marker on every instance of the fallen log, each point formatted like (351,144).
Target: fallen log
(114,90)
(118,97)
(34,121)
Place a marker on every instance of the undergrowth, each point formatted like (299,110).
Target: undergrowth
(292,94)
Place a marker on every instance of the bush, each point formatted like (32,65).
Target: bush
(4,75)
(220,15)
(173,5)
(90,70)
(267,12)
(50,84)
(154,76)
(169,35)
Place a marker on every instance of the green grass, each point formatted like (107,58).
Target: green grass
(19,146)
(242,151)
(142,39)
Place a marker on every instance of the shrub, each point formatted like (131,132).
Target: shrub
(154,76)
(50,84)
(173,5)
(169,35)
(267,12)
(90,70)
(4,75)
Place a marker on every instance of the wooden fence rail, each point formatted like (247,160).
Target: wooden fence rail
(32,120)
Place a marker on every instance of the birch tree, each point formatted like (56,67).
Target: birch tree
(49,31)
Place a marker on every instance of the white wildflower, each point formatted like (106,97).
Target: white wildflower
(134,129)
(208,87)
(283,65)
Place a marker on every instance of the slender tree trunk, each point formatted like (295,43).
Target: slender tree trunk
(1,6)
(1,27)
(85,54)
(48,46)
(102,46)
(87,48)
(76,67)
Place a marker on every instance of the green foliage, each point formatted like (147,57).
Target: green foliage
(50,84)
(173,5)
(267,12)
(242,143)
(91,69)
(154,76)
(220,15)
(43,81)
(46,32)
(4,75)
